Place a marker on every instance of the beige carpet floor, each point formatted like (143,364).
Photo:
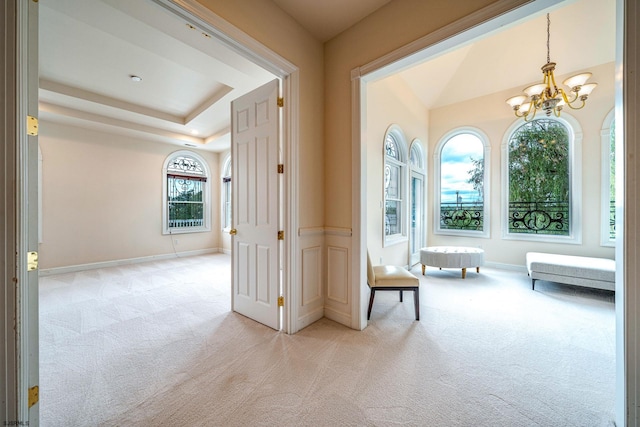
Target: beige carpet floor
(155,344)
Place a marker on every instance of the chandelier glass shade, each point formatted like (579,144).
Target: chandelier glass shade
(547,96)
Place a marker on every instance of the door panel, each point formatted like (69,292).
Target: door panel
(254,157)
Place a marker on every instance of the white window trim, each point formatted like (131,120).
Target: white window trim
(605,138)
(403,181)
(486,229)
(207,195)
(419,171)
(226,165)
(575,175)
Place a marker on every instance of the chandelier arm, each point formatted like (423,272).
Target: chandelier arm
(552,79)
(535,110)
(584,102)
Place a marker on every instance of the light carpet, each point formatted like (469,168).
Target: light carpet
(155,344)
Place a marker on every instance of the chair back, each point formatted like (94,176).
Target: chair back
(371,276)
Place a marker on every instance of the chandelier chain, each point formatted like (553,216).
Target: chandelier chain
(548,38)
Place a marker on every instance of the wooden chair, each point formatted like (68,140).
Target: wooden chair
(392,278)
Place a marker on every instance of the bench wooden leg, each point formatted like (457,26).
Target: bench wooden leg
(533,284)
(477,269)
(464,273)
(400,296)
(423,268)
(373,293)
(416,302)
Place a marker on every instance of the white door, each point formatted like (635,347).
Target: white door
(255,200)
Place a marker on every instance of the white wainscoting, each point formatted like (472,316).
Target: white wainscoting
(311,297)
(338,288)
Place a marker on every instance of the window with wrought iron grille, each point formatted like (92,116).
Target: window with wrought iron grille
(394,185)
(543,201)
(186,194)
(462,187)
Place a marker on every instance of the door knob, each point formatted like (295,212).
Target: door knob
(233,231)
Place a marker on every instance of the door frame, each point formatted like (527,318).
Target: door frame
(234,38)
(627,104)
(15,318)
(421,174)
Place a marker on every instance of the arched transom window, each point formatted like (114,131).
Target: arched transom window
(186,193)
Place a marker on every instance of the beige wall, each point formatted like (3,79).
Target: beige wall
(102,198)
(268,24)
(389,101)
(491,115)
(391,27)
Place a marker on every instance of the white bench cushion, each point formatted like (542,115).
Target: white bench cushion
(570,269)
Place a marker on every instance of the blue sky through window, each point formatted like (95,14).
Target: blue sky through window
(455,164)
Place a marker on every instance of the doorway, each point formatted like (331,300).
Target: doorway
(277,66)
(374,72)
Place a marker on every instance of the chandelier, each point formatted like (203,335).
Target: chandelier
(547,96)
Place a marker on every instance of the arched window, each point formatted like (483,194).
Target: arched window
(608,215)
(461,184)
(186,194)
(542,180)
(226,194)
(394,184)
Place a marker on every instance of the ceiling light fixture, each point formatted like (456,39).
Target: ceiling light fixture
(547,96)
(135,78)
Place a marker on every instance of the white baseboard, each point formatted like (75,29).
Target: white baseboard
(224,251)
(337,316)
(119,262)
(510,267)
(310,318)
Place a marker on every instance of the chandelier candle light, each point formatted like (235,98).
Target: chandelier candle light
(547,96)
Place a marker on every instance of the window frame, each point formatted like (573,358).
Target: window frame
(396,133)
(206,196)
(605,198)
(575,177)
(486,196)
(224,195)
(417,170)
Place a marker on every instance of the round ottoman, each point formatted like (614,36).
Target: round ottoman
(452,257)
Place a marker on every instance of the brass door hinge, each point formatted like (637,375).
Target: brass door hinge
(33,396)
(32,126)
(281,235)
(280,301)
(32,261)
(280,102)
(280,168)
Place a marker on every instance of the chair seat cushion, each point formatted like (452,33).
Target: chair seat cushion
(393,276)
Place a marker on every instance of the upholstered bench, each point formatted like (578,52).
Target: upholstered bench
(452,257)
(599,273)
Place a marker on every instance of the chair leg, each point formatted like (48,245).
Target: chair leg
(416,302)
(373,293)
(400,296)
